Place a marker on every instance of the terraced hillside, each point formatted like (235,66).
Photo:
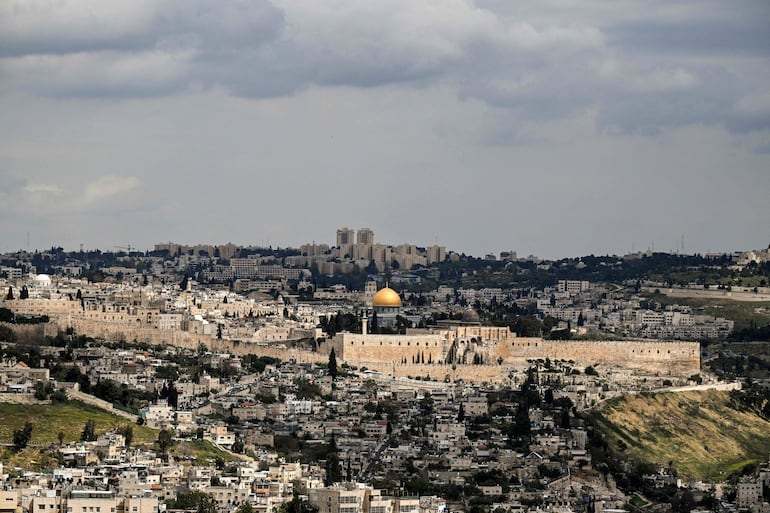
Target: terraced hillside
(697,431)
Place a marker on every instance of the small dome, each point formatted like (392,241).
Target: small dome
(387,297)
(43,280)
(471,315)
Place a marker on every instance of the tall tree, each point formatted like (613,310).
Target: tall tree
(195,500)
(9,296)
(127,430)
(165,441)
(333,469)
(89,431)
(333,364)
(21,437)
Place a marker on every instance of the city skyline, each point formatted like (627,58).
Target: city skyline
(482,126)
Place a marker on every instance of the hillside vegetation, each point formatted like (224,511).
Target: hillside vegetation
(698,432)
(69,418)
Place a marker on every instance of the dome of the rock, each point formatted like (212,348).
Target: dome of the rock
(386,297)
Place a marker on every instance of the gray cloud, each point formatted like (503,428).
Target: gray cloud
(742,36)
(543,127)
(50,27)
(544,68)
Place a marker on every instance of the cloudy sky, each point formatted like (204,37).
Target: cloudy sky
(557,128)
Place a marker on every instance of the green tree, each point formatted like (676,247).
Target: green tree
(89,431)
(333,466)
(164,442)
(9,296)
(246,507)
(43,390)
(296,505)
(60,436)
(333,469)
(127,430)
(332,364)
(195,500)
(24,293)
(21,437)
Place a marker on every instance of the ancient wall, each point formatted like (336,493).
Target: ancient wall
(423,354)
(111,332)
(396,352)
(32,332)
(359,349)
(680,359)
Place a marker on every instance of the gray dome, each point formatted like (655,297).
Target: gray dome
(471,315)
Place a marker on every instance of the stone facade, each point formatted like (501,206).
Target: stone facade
(481,353)
(470,353)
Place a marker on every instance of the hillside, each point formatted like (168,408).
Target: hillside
(697,431)
(69,418)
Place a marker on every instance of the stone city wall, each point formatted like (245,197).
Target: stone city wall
(32,332)
(662,358)
(648,357)
(405,355)
(356,348)
(114,332)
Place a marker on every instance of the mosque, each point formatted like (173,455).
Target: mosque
(468,350)
(386,308)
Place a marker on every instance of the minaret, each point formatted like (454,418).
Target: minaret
(364,322)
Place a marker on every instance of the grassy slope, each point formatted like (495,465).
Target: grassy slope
(70,418)
(703,436)
(202,451)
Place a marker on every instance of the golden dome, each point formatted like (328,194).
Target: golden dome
(387,297)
